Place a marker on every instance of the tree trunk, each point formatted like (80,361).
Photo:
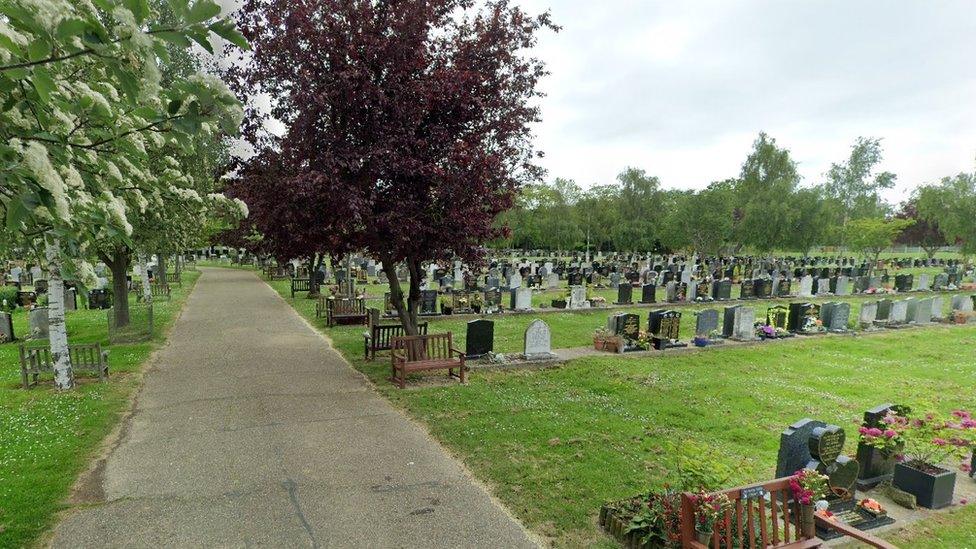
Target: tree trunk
(162,268)
(63,376)
(146,290)
(119,263)
(406,312)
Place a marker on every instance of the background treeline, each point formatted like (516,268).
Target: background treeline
(764,209)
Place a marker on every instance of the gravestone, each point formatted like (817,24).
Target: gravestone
(843,286)
(552,281)
(627,326)
(728,320)
(783,287)
(794,447)
(826,447)
(648,292)
(625,294)
(6,327)
(941,281)
(515,280)
(875,466)
(70,299)
(899,312)
(923,282)
(747,290)
(665,328)
(722,291)
(691,290)
(804,317)
(937,307)
(823,286)
(921,312)
(538,341)
(806,287)
(480,338)
(962,303)
(37,323)
(706,322)
(744,324)
(868,314)
(577,297)
(522,299)
(836,319)
(884,311)
(778,317)
(428,302)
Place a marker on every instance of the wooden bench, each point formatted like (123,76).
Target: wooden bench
(157,290)
(175,278)
(36,359)
(758,524)
(345,311)
(380,337)
(424,352)
(301,285)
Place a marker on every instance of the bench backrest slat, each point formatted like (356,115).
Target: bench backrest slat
(751,523)
(420,348)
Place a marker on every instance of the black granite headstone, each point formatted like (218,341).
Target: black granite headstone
(794,447)
(480,338)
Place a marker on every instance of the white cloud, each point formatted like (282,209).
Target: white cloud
(682,88)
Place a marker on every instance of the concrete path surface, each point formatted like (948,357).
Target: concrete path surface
(251,431)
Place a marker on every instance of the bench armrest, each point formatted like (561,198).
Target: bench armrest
(460,353)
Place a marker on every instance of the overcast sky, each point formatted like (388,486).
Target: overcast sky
(682,88)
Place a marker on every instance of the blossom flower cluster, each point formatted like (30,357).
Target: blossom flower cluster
(808,486)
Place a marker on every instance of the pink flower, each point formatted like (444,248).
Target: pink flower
(963,501)
(965,468)
(863,430)
(874,432)
(939,441)
(890,433)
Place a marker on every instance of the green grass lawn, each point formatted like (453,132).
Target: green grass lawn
(47,438)
(555,444)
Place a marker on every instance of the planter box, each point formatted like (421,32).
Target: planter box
(933,491)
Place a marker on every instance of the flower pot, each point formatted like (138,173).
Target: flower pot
(704,538)
(700,342)
(808,524)
(599,344)
(932,489)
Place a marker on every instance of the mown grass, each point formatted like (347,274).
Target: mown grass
(47,438)
(555,444)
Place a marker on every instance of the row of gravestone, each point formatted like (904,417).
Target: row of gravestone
(37,320)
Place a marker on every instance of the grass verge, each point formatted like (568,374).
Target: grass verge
(47,438)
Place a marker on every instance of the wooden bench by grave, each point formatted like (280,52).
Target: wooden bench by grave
(423,353)
(764,515)
(345,311)
(380,337)
(35,359)
(301,285)
(158,291)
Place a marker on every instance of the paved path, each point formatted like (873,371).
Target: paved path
(251,431)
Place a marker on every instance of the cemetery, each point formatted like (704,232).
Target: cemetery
(356,273)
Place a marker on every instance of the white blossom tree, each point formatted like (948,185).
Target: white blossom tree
(83,112)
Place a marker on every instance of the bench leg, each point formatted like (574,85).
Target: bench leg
(463,376)
(403,378)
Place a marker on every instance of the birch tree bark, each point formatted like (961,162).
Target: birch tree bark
(146,290)
(63,375)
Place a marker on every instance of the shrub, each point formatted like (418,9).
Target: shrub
(8,294)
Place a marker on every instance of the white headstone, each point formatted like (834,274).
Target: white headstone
(523,299)
(538,341)
(806,286)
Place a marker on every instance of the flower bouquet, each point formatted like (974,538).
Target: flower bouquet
(709,510)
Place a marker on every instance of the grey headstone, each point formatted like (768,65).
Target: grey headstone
(37,323)
(538,341)
(806,287)
(868,314)
(794,447)
(7,327)
(744,327)
(706,322)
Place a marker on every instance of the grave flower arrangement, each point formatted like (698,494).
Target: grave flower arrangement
(644,339)
(709,510)
(930,441)
(933,439)
(888,439)
(808,486)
